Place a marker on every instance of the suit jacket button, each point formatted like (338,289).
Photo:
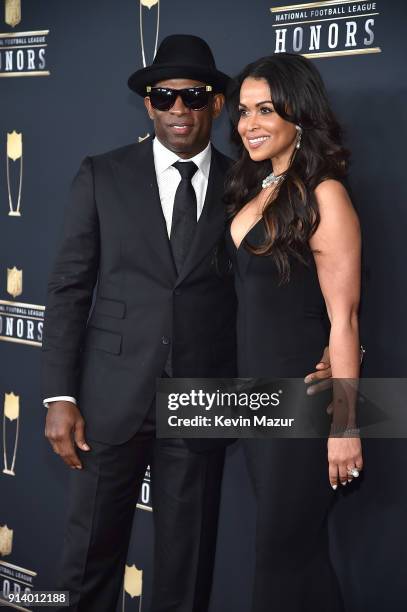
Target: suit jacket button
(165,340)
(177,291)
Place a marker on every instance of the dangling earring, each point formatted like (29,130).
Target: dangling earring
(299,130)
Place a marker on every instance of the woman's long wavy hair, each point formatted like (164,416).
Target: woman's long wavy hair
(291,214)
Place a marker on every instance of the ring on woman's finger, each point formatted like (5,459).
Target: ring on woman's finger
(354,471)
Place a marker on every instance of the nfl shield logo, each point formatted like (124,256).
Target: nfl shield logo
(14,145)
(13,12)
(14,282)
(149,3)
(11,406)
(133,581)
(6,540)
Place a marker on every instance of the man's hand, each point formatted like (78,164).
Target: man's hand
(64,426)
(322,373)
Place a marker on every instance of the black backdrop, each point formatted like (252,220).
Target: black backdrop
(84,107)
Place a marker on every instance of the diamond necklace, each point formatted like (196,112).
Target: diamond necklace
(270,179)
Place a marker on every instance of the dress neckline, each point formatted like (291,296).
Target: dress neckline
(251,228)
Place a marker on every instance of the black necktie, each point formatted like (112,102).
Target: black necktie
(184,213)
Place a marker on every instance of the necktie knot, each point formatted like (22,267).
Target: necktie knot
(186,169)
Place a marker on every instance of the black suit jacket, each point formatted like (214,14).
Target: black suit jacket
(109,352)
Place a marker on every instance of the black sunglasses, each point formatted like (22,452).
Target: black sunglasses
(195,98)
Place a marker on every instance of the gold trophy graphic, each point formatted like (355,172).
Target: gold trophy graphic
(14,281)
(12,413)
(12,12)
(14,153)
(6,540)
(133,584)
(149,5)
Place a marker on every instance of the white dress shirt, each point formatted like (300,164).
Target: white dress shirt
(168,179)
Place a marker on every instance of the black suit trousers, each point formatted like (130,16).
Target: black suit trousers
(103,496)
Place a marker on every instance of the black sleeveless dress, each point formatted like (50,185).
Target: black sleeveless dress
(281,329)
(281,332)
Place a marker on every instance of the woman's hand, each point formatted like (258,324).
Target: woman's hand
(344,454)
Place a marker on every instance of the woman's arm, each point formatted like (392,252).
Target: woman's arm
(336,245)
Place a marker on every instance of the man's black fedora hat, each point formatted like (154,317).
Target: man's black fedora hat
(180,56)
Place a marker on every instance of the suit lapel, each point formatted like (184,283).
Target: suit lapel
(138,186)
(211,223)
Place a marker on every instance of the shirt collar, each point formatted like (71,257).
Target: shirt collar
(164,158)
